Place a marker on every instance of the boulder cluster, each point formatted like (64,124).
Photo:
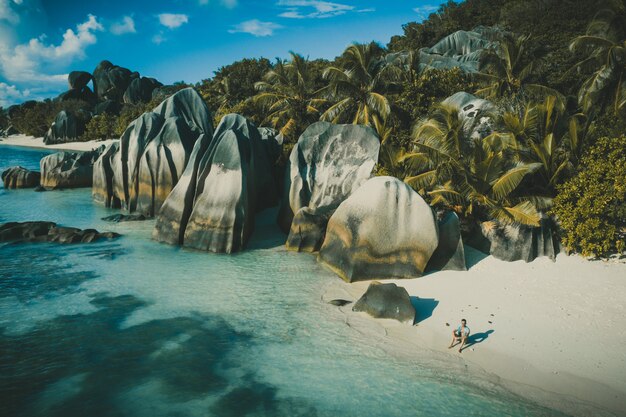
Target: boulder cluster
(49,232)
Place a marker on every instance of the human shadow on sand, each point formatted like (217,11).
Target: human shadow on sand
(424,308)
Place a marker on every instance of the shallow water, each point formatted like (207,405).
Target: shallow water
(135,328)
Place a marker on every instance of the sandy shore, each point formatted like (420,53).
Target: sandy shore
(549,331)
(33,142)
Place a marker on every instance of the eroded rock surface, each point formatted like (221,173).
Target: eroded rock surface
(68,169)
(328,163)
(49,232)
(20,177)
(387,301)
(383,230)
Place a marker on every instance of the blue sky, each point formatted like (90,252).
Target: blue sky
(173,40)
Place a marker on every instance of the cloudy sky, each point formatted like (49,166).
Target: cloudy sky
(173,40)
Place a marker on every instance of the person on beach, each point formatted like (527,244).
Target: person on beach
(460,333)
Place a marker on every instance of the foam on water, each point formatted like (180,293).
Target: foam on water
(136,328)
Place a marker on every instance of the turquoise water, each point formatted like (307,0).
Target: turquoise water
(136,328)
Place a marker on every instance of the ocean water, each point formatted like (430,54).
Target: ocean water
(132,327)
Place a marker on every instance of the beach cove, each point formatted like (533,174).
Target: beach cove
(543,354)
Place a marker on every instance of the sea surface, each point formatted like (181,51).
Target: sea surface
(132,327)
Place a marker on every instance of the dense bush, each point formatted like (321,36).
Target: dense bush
(591,207)
(101,127)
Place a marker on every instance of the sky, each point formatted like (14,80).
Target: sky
(41,41)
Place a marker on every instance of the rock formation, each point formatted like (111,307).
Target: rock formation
(474,113)
(140,172)
(20,177)
(49,232)
(387,301)
(67,127)
(228,179)
(111,81)
(517,242)
(383,230)
(450,253)
(140,90)
(68,169)
(327,164)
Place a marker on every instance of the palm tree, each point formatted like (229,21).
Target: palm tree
(472,177)
(359,87)
(507,69)
(542,134)
(288,92)
(604,46)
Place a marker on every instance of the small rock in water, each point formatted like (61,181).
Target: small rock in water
(339,302)
(116,218)
(49,232)
(39,189)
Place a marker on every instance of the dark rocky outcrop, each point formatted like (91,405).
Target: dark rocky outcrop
(517,242)
(84,94)
(67,127)
(327,164)
(140,90)
(111,81)
(450,253)
(20,177)
(387,301)
(227,181)
(118,218)
(107,106)
(383,230)
(68,169)
(142,170)
(49,232)
(77,80)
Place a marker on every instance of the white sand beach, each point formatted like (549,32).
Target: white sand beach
(549,331)
(33,142)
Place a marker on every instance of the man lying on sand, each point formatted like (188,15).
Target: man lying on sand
(460,333)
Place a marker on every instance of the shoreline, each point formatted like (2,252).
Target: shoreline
(551,339)
(32,142)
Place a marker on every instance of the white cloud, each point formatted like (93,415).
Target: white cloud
(256,27)
(7,13)
(173,20)
(158,39)
(126,25)
(229,4)
(303,9)
(9,94)
(25,62)
(424,11)
(369,10)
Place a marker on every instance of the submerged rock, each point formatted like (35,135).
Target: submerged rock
(517,242)
(450,254)
(152,154)
(227,181)
(49,232)
(68,169)
(383,230)
(20,177)
(387,301)
(327,164)
(117,218)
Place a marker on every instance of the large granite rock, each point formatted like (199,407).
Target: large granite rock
(111,81)
(140,90)
(77,80)
(327,164)
(517,242)
(152,154)
(49,232)
(68,169)
(450,253)
(102,178)
(383,230)
(387,301)
(20,177)
(474,113)
(107,106)
(227,181)
(67,127)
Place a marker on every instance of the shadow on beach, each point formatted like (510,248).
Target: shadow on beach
(477,338)
(424,308)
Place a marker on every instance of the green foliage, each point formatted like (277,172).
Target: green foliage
(591,207)
(288,96)
(4,120)
(37,120)
(129,113)
(476,178)
(103,126)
